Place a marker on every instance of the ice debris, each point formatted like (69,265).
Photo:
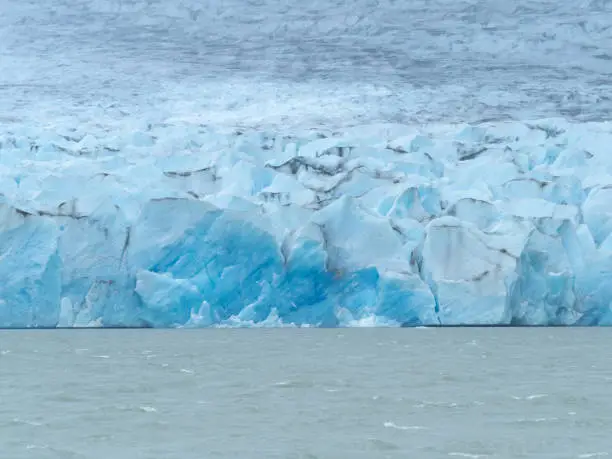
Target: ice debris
(179,225)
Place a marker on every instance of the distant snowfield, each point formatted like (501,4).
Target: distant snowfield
(314,64)
(351,164)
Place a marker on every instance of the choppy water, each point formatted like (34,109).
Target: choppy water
(372,393)
(264,62)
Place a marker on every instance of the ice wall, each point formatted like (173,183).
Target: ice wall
(179,225)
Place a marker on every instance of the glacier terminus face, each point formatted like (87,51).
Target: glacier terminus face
(500,223)
(258,164)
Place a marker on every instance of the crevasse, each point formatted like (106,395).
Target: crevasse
(180,225)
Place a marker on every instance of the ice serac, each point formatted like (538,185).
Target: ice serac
(468,271)
(31,269)
(179,225)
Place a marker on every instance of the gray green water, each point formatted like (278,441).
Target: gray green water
(369,393)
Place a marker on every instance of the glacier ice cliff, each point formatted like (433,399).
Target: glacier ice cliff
(176,224)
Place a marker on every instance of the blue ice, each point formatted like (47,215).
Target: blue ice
(177,226)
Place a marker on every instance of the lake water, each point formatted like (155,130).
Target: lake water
(359,393)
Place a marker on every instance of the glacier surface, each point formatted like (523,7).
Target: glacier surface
(179,224)
(245,62)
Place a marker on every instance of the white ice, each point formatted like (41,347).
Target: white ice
(205,163)
(200,228)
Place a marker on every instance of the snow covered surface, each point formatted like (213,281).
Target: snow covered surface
(337,163)
(296,62)
(182,225)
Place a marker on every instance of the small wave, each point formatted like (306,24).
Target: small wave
(283,383)
(536,420)
(473,456)
(383,445)
(536,396)
(392,425)
(148,409)
(26,422)
(292,384)
(530,397)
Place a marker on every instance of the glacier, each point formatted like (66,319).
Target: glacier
(185,225)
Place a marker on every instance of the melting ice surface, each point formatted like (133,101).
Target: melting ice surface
(181,225)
